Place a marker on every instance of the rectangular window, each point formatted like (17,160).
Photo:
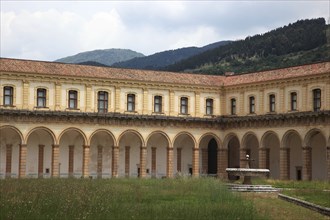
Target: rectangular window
(8,96)
(233,106)
(209,106)
(73,99)
(184,105)
(252,105)
(41,98)
(131,102)
(316,100)
(102,102)
(272,103)
(158,104)
(293,96)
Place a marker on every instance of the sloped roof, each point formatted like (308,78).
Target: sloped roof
(63,69)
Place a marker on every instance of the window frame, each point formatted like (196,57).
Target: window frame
(43,98)
(131,103)
(74,99)
(317,95)
(293,101)
(158,102)
(104,101)
(184,106)
(10,96)
(233,106)
(252,105)
(209,106)
(272,103)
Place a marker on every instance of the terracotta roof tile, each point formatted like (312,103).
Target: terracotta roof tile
(61,69)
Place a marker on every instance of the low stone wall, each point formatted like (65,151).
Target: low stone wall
(320,209)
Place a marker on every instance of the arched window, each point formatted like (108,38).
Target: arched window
(8,95)
(316,100)
(102,102)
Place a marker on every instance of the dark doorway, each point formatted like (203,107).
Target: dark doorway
(212,149)
(233,156)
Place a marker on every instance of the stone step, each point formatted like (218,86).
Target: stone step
(251,188)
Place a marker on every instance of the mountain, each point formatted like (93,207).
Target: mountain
(302,42)
(106,57)
(159,61)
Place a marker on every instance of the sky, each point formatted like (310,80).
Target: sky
(49,30)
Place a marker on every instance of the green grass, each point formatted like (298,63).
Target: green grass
(184,198)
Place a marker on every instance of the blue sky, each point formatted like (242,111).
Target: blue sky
(48,30)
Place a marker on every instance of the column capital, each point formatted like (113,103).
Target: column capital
(86,146)
(23,145)
(170,148)
(55,145)
(143,148)
(195,149)
(115,147)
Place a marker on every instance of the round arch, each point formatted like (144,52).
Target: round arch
(73,129)
(22,140)
(271,142)
(216,138)
(266,135)
(133,132)
(229,137)
(50,132)
(105,131)
(287,135)
(310,135)
(188,134)
(250,144)
(161,133)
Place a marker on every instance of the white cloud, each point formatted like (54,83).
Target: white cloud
(49,30)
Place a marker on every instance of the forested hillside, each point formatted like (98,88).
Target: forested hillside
(302,42)
(159,61)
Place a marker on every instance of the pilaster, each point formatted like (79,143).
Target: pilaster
(145,110)
(41,160)
(58,96)
(115,157)
(223,103)
(117,99)
(195,165)
(22,160)
(88,98)
(263,158)
(197,104)
(143,159)
(172,106)
(178,159)
(284,163)
(204,161)
(261,101)
(99,161)
(153,161)
(55,160)
(127,160)
(169,162)
(26,85)
(304,98)
(9,153)
(328,161)
(86,156)
(307,163)
(71,160)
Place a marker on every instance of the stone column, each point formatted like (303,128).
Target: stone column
(284,163)
(195,163)
(58,96)
(197,104)
(41,160)
(99,161)
(143,160)
(307,163)
(153,161)
(114,164)
(204,161)
(169,162)
(22,160)
(222,163)
(178,159)
(9,153)
(127,160)
(55,160)
(86,156)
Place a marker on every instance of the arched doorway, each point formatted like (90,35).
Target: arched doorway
(157,145)
(72,142)
(183,154)
(209,155)
(251,145)
(10,140)
(233,154)
(271,142)
(39,153)
(101,145)
(130,143)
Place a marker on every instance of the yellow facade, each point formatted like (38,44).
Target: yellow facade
(162,124)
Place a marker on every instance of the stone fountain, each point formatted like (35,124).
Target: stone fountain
(247,172)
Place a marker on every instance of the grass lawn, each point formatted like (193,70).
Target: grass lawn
(182,198)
